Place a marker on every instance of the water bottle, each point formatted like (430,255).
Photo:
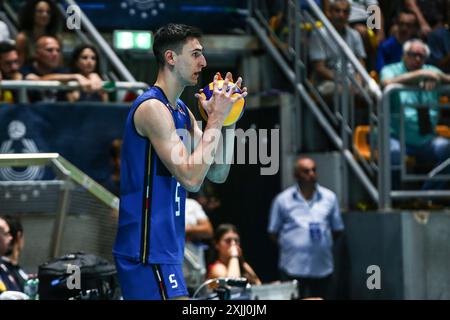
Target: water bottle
(31,289)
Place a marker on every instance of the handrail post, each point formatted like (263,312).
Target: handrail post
(384,150)
(23,98)
(297,132)
(58,228)
(343,89)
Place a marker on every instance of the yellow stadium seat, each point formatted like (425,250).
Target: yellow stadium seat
(443,131)
(360,144)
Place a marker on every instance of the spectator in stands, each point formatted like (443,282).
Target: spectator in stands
(430,14)
(7,281)
(390,50)
(85,61)
(47,66)
(439,42)
(12,255)
(37,18)
(228,259)
(421,139)
(9,61)
(390,9)
(371,37)
(327,63)
(304,221)
(9,70)
(208,198)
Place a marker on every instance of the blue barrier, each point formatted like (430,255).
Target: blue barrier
(82,133)
(219,16)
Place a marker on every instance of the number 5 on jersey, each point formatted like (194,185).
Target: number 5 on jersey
(173,281)
(177,201)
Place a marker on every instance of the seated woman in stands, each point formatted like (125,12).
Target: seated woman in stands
(229,261)
(37,18)
(85,61)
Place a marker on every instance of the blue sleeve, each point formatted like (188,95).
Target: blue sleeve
(380,59)
(336,222)
(275,217)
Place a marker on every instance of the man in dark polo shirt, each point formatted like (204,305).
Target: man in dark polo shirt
(47,66)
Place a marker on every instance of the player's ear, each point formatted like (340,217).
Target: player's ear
(171,57)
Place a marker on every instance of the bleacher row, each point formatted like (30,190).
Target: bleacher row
(343,92)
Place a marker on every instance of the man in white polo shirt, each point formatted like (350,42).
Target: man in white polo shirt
(304,220)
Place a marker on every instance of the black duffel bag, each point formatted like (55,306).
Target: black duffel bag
(97,278)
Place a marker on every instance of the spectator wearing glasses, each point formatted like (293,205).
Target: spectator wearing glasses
(7,280)
(12,255)
(421,140)
(229,261)
(9,70)
(305,220)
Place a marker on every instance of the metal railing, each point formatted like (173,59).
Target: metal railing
(88,33)
(104,47)
(22,86)
(387,194)
(67,173)
(337,118)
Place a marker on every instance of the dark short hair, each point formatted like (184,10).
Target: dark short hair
(172,37)
(76,55)
(405,11)
(6,46)
(15,226)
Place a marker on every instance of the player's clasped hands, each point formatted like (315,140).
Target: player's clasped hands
(225,94)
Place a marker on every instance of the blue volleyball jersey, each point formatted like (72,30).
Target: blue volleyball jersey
(152,202)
